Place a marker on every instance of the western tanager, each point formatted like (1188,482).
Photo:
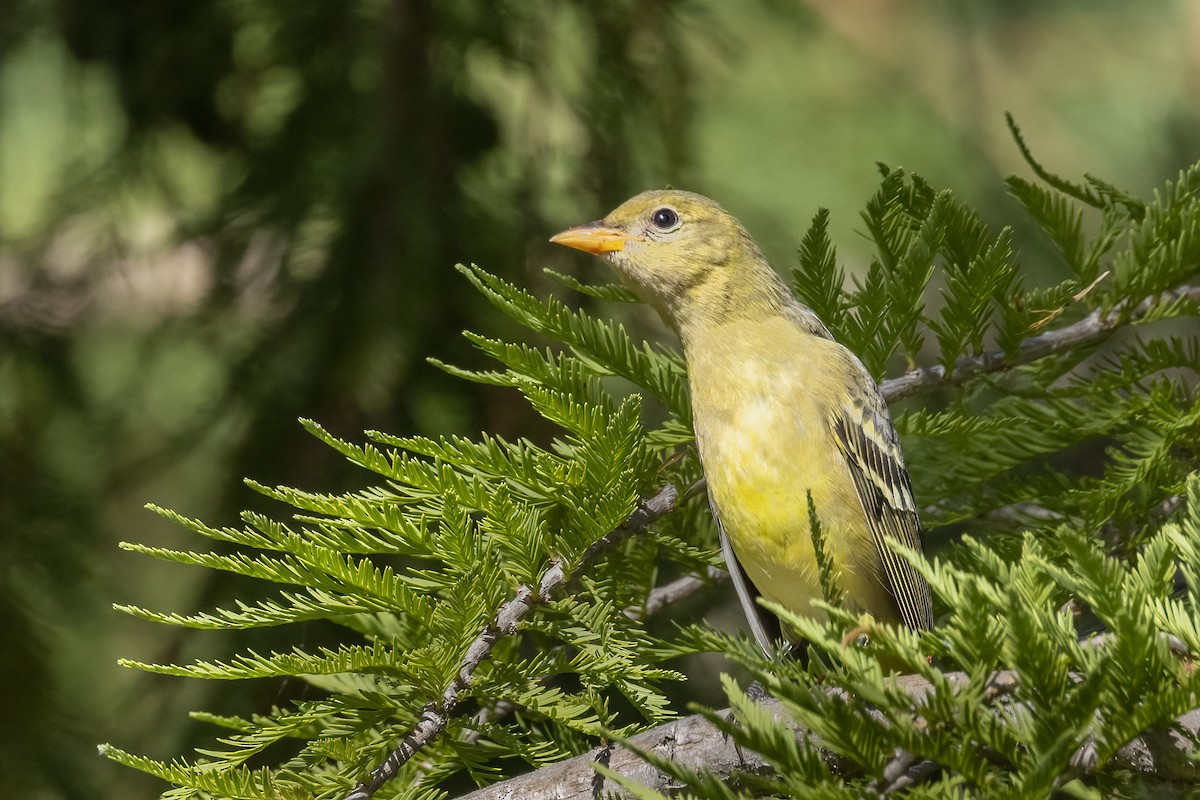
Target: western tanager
(780,410)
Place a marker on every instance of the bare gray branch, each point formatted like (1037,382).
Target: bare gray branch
(694,743)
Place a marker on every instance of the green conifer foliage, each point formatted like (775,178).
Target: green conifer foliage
(492,592)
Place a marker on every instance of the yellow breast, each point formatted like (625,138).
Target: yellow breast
(764,396)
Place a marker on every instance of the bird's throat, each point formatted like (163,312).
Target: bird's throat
(725,298)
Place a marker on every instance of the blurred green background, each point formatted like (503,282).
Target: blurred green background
(217,217)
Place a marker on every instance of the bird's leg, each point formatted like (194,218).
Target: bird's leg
(603,755)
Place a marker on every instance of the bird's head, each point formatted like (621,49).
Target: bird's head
(680,252)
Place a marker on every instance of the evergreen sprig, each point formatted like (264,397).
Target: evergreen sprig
(491,591)
(415,565)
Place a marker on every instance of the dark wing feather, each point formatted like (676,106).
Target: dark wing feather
(763,624)
(872,449)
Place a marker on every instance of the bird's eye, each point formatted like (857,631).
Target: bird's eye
(665,218)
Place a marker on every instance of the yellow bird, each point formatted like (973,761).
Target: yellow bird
(780,409)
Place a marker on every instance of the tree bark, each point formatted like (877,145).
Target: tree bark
(695,743)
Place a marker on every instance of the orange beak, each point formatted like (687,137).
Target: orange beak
(593,237)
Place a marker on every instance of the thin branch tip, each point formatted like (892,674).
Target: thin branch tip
(1092,329)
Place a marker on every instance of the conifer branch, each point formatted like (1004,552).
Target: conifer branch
(676,590)
(1092,329)
(436,714)
(694,743)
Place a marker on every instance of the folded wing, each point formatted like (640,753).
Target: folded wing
(872,449)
